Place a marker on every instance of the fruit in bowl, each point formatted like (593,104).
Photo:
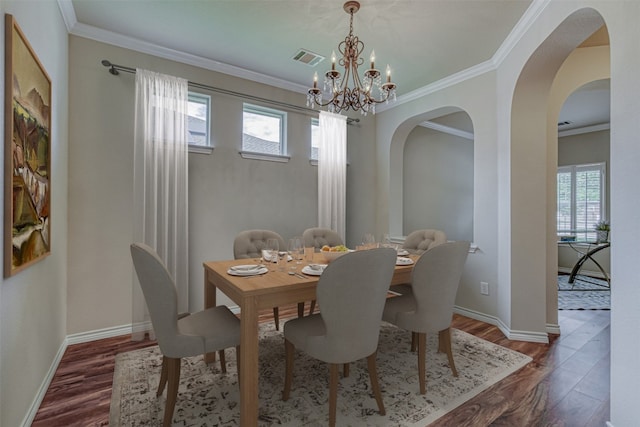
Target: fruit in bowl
(332,252)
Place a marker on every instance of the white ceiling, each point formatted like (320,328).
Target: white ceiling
(424,41)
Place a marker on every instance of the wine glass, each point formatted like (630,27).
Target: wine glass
(368,241)
(296,249)
(272,250)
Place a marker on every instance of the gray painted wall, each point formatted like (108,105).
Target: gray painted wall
(33,303)
(438,183)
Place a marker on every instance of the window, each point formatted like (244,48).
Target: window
(263,130)
(581,200)
(315,136)
(198,121)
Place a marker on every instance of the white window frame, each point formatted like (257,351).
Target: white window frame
(586,233)
(281,156)
(313,150)
(206,148)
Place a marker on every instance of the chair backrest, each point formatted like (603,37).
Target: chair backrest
(250,243)
(422,240)
(351,293)
(159,292)
(435,279)
(318,237)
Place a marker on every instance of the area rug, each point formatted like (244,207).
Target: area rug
(207,397)
(585,293)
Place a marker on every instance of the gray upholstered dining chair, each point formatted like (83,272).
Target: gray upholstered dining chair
(316,238)
(249,244)
(419,241)
(428,308)
(185,335)
(344,331)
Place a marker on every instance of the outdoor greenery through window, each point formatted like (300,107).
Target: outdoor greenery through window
(581,200)
(198,120)
(315,135)
(263,130)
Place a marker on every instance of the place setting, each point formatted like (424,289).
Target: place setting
(247,270)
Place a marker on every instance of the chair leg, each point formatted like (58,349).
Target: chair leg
(422,349)
(300,309)
(288,373)
(163,376)
(444,339)
(414,341)
(333,393)
(223,363)
(172,390)
(345,370)
(373,377)
(312,307)
(276,317)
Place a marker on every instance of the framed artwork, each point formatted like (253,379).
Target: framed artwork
(27,154)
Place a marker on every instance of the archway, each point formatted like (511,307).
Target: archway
(533,165)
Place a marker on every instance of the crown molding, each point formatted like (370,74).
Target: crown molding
(524,24)
(87,31)
(447,129)
(586,129)
(97,34)
(68,14)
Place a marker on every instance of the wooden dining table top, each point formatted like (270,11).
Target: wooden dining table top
(253,293)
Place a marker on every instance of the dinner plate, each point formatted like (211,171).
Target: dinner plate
(403,252)
(314,269)
(403,261)
(247,270)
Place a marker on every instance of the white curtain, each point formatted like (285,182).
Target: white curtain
(160,174)
(332,172)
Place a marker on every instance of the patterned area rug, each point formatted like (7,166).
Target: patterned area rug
(585,293)
(208,398)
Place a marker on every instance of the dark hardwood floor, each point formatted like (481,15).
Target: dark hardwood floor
(566,384)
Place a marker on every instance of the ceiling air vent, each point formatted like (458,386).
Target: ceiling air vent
(565,123)
(307,57)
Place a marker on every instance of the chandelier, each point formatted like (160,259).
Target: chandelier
(336,86)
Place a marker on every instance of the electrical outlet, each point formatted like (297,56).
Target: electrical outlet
(484,288)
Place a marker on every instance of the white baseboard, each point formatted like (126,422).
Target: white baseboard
(44,386)
(529,336)
(553,329)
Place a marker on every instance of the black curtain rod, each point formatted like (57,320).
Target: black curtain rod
(115,70)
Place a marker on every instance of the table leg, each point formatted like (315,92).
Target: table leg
(209,301)
(249,363)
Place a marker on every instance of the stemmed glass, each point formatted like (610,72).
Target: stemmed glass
(368,241)
(272,250)
(296,249)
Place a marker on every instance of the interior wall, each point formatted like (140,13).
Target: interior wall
(438,183)
(476,97)
(227,194)
(33,302)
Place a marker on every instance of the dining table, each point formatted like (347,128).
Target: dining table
(258,292)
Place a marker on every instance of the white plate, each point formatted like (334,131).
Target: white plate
(314,271)
(403,261)
(403,252)
(247,270)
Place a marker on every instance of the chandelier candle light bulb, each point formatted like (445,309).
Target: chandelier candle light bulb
(359,97)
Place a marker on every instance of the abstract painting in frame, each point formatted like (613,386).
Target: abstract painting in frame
(27,155)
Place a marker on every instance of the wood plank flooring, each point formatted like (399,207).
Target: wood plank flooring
(567,384)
